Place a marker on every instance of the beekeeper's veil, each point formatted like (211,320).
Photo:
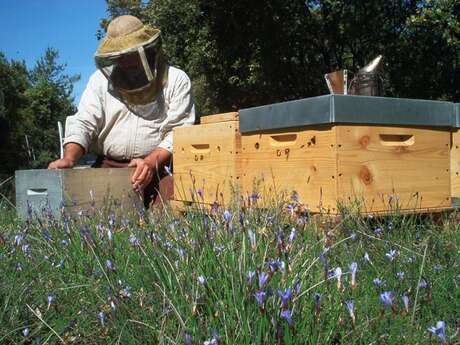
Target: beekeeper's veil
(131,58)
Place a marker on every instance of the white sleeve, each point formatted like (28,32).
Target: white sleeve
(181,111)
(83,127)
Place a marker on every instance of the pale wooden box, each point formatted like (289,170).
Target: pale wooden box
(77,190)
(206,160)
(340,153)
(377,168)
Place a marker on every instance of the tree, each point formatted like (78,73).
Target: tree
(242,54)
(33,102)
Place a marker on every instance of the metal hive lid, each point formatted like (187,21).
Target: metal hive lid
(335,109)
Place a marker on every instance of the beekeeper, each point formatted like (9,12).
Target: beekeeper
(130,106)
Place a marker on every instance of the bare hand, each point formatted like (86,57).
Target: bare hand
(142,174)
(63,163)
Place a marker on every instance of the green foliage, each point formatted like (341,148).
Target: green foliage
(154,279)
(31,104)
(241,53)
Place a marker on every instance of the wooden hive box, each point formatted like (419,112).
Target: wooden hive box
(381,153)
(455,157)
(75,189)
(206,168)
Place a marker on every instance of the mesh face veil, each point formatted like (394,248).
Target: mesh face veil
(133,64)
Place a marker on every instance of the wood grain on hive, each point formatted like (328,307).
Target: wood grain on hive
(206,168)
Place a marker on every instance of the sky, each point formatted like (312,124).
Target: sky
(70,26)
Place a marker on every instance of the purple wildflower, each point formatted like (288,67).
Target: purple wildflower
(297,287)
(405,299)
(25,332)
(353,236)
(400,275)
(440,331)
(351,309)
(391,254)
(378,282)
(126,292)
(188,339)
(285,296)
(287,315)
(260,298)
(263,278)
(50,299)
(387,299)
(276,264)
(227,216)
(378,231)
(458,277)
(353,270)
(109,265)
(252,239)
(201,280)
(292,235)
(18,239)
(134,240)
(101,317)
(366,257)
(423,284)
(338,275)
(250,277)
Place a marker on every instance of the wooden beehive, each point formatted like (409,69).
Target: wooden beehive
(455,157)
(206,167)
(374,152)
(378,168)
(77,190)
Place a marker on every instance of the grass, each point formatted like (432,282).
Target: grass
(169,279)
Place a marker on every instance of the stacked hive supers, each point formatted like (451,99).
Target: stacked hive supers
(379,152)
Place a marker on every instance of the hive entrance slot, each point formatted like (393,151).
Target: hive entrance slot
(397,139)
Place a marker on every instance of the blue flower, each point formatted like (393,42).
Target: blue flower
(260,298)
(378,231)
(227,216)
(109,265)
(400,275)
(18,239)
(387,299)
(263,278)
(439,331)
(126,292)
(353,270)
(405,299)
(391,254)
(252,239)
(297,287)
(285,296)
(50,300)
(276,264)
(287,315)
(366,257)
(423,284)
(101,317)
(133,240)
(25,332)
(201,280)
(437,267)
(250,277)
(458,277)
(378,282)
(188,339)
(351,309)
(292,235)
(353,236)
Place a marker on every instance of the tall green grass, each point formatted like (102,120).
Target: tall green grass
(222,276)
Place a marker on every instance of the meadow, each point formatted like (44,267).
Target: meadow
(229,276)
